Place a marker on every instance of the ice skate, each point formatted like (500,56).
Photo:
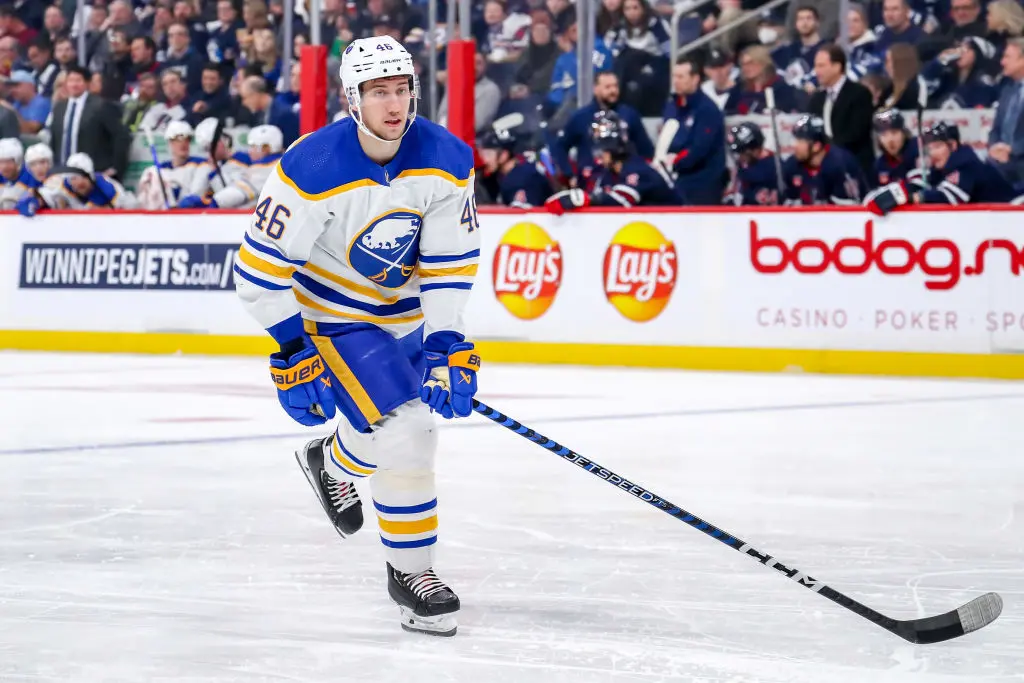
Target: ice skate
(426,603)
(339,498)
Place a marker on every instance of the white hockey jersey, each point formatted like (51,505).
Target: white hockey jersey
(244,191)
(337,238)
(177,182)
(206,181)
(12,190)
(106,194)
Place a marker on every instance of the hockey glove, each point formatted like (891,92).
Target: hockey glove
(886,198)
(28,205)
(303,384)
(567,200)
(193,201)
(449,381)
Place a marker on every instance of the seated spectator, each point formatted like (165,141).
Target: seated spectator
(899,155)
(55,25)
(538,60)
(564,74)
(212,101)
(563,14)
(696,158)
(486,98)
(142,101)
(957,176)
(505,177)
(256,98)
(222,46)
(965,21)
(908,91)
(44,68)
(640,29)
(507,34)
(172,105)
(77,188)
(609,16)
(143,52)
(12,25)
(65,53)
(623,178)
(123,17)
(39,161)
(957,77)
(876,84)
(844,105)
(758,72)
(899,29)
(576,133)
(342,36)
(263,54)
(796,59)
(183,57)
(184,12)
(1005,21)
(157,28)
(757,175)
(31,107)
(819,172)
(863,56)
(292,97)
(1006,139)
(721,76)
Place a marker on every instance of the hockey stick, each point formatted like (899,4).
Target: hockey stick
(156,164)
(977,613)
(769,100)
(665,138)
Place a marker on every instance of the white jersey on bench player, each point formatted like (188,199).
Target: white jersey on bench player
(266,144)
(177,173)
(207,179)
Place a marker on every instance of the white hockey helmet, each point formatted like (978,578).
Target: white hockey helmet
(38,152)
(368,58)
(180,129)
(205,131)
(10,148)
(270,136)
(83,162)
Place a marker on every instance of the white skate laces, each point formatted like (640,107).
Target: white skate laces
(342,493)
(424,584)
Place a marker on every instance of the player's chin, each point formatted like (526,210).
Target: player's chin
(392,130)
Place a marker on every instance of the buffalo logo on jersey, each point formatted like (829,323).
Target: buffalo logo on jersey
(640,267)
(385,251)
(527,271)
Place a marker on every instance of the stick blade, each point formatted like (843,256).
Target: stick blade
(976,614)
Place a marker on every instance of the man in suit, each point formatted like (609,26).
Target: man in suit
(1006,139)
(846,106)
(86,123)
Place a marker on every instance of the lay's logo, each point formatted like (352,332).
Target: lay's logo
(527,271)
(640,269)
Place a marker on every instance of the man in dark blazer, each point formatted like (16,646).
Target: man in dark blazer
(86,123)
(1006,139)
(845,106)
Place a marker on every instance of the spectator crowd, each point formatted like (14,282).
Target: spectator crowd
(187,70)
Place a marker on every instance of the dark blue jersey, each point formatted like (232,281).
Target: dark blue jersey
(796,61)
(756,184)
(966,179)
(524,186)
(889,169)
(839,180)
(637,184)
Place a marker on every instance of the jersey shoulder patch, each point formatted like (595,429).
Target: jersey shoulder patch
(429,149)
(328,161)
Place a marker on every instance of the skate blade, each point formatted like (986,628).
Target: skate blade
(300,458)
(444,625)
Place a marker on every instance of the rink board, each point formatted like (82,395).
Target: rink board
(921,292)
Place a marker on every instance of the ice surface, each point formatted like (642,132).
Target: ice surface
(154,527)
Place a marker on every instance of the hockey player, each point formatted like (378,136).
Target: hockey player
(958,176)
(266,143)
(221,168)
(757,180)
(358,261)
(39,161)
(78,187)
(818,172)
(623,178)
(508,177)
(899,150)
(15,179)
(177,173)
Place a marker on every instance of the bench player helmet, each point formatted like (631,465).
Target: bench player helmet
(180,129)
(745,137)
(890,119)
(38,152)
(266,135)
(610,134)
(811,128)
(941,131)
(366,59)
(10,148)
(205,132)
